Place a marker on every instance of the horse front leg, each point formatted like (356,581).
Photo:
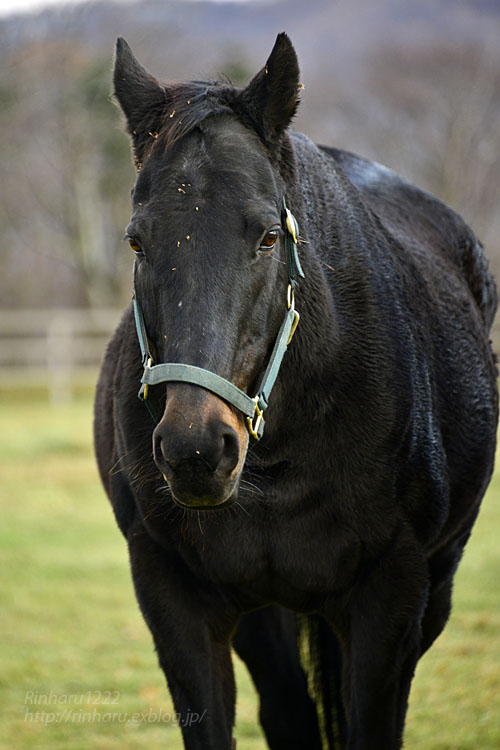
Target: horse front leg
(191,630)
(382,644)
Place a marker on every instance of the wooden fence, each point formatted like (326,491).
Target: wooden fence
(55,349)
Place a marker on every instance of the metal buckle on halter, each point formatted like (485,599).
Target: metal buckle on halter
(145,391)
(291,224)
(291,306)
(253,426)
(294,326)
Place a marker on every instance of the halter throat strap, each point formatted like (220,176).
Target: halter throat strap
(252,408)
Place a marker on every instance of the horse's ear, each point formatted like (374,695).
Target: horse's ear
(141,97)
(271,98)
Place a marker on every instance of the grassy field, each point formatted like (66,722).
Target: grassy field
(78,667)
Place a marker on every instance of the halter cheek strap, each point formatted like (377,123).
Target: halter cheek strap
(252,408)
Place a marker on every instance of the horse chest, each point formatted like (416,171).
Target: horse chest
(313,557)
(280,560)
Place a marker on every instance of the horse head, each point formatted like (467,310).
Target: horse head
(208,232)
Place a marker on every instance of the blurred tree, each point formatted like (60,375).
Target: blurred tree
(62,163)
(435,119)
(430,113)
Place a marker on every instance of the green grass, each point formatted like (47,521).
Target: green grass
(70,629)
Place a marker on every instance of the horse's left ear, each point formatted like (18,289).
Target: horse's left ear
(271,98)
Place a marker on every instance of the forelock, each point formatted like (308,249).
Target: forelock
(189,105)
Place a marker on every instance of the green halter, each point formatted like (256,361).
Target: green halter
(252,408)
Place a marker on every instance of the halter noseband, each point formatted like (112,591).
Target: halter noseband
(252,408)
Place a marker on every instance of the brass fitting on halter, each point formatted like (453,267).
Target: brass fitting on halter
(291,306)
(254,422)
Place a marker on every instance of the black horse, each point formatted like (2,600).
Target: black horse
(323,546)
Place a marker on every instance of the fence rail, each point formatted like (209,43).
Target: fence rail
(55,348)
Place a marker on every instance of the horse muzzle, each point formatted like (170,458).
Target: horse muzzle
(199,446)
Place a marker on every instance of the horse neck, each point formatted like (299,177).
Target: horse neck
(336,344)
(335,225)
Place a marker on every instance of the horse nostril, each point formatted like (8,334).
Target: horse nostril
(230,452)
(159,453)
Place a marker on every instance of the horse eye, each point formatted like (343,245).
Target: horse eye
(134,245)
(269,240)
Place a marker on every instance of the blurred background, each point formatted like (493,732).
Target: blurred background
(414,84)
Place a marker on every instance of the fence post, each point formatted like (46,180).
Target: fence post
(60,359)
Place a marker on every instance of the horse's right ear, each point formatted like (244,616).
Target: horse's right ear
(141,97)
